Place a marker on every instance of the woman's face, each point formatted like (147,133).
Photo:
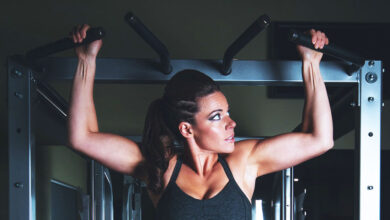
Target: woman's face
(213,128)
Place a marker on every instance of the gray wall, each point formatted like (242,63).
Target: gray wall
(190,29)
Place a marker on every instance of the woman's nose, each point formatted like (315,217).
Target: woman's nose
(231,124)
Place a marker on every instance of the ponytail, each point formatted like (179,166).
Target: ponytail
(157,145)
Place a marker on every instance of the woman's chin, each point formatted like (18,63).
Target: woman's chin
(228,149)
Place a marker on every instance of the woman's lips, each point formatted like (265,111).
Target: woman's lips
(230,139)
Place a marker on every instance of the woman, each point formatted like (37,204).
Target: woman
(212,176)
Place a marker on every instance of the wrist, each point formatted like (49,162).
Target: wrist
(310,62)
(89,59)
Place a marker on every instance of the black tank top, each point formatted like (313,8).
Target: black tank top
(230,203)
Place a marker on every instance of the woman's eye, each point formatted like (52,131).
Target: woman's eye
(216,117)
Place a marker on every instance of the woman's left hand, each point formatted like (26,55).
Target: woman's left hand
(319,40)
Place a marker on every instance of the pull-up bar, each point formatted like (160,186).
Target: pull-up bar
(65,44)
(355,61)
(152,40)
(252,31)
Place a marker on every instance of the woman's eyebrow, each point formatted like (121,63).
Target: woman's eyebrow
(217,110)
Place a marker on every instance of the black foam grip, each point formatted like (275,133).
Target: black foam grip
(252,31)
(330,49)
(150,39)
(65,44)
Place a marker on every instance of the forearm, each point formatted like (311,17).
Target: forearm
(113,151)
(82,114)
(317,118)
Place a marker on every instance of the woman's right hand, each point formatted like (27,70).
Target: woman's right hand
(86,51)
(319,40)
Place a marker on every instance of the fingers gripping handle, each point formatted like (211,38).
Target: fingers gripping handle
(93,34)
(330,49)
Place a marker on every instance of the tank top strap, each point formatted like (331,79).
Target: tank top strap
(176,169)
(225,167)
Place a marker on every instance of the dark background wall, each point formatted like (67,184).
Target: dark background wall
(190,29)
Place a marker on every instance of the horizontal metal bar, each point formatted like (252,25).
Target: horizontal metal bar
(245,72)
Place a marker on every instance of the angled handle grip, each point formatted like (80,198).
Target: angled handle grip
(252,31)
(65,44)
(330,49)
(152,40)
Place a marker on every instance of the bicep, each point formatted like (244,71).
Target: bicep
(284,151)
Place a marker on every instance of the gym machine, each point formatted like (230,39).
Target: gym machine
(27,81)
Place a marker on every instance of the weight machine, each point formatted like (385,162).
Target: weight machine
(27,81)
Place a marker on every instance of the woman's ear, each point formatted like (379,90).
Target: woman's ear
(185,129)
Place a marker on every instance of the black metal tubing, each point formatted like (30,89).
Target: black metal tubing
(331,49)
(64,44)
(152,40)
(252,31)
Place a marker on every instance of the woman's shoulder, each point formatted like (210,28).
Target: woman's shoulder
(242,152)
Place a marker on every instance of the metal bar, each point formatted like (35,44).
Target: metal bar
(152,40)
(98,191)
(92,185)
(64,184)
(64,44)
(252,31)
(331,49)
(132,209)
(51,96)
(109,214)
(368,149)
(21,144)
(102,206)
(244,72)
(289,179)
(278,188)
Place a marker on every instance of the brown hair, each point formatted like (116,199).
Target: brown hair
(161,137)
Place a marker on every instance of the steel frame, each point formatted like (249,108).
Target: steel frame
(22,80)
(21,146)
(244,72)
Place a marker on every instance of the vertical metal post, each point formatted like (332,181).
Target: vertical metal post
(21,148)
(288,175)
(368,136)
(277,196)
(102,194)
(108,195)
(283,198)
(132,209)
(97,191)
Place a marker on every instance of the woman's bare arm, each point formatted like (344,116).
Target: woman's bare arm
(115,152)
(316,137)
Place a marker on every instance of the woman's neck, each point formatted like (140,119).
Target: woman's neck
(202,162)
